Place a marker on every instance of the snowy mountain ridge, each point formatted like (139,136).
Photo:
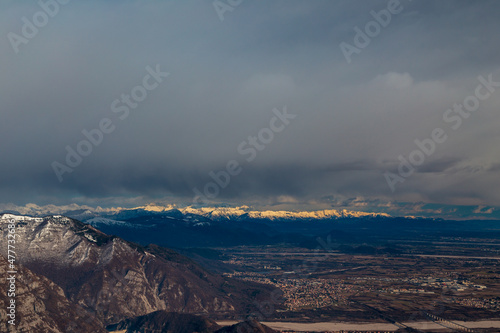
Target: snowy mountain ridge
(236,213)
(98,216)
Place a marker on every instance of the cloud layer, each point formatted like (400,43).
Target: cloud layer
(353,120)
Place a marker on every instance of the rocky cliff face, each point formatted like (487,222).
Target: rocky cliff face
(114,279)
(41,306)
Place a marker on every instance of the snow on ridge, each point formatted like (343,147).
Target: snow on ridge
(32,209)
(236,212)
(90,238)
(157,208)
(229,212)
(241,210)
(10,217)
(102,220)
(215,213)
(320,214)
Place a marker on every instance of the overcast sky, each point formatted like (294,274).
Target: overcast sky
(229,68)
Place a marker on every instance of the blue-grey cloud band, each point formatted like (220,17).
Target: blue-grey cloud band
(353,120)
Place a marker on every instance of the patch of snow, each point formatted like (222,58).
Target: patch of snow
(10,217)
(200,224)
(90,238)
(96,221)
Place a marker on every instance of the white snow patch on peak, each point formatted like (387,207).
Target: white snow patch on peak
(157,208)
(13,217)
(10,217)
(90,238)
(36,210)
(58,218)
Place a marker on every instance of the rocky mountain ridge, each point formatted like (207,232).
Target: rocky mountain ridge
(114,279)
(41,306)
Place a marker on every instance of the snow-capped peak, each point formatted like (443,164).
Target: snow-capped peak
(218,213)
(10,217)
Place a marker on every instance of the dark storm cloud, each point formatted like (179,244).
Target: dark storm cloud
(353,120)
(440,165)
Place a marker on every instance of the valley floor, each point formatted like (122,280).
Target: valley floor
(333,326)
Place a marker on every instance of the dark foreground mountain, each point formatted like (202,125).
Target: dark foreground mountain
(114,279)
(166,322)
(249,326)
(40,306)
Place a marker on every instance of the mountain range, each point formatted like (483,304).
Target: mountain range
(194,227)
(73,274)
(216,213)
(117,270)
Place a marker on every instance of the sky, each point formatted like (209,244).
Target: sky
(379,105)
